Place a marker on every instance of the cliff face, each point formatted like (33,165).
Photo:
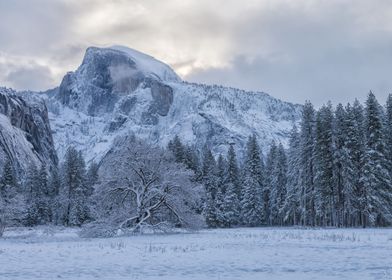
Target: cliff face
(106,75)
(25,134)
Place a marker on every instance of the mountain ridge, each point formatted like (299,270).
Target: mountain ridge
(112,94)
(95,104)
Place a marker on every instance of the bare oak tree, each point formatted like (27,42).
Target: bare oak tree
(143,188)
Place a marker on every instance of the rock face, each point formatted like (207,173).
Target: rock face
(119,91)
(25,134)
(107,74)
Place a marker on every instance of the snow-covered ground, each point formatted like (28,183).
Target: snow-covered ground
(260,253)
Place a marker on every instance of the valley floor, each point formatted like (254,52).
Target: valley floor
(258,253)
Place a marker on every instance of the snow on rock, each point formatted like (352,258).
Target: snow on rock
(118,91)
(149,66)
(25,134)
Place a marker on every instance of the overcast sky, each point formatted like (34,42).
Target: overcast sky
(295,50)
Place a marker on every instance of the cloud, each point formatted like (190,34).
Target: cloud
(23,73)
(34,77)
(294,50)
(315,50)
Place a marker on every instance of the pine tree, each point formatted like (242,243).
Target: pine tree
(32,187)
(324,167)
(252,202)
(278,186)
(39,197)
(75,191)
(231,213)
(354,146)
(220,190)
(43,200)
(8,183)
(83,191)
(209,211)
(375,176)
(307,204)
(388,132)
(343,168)
(291,206)
(32,181)
(178,149)
(233,173)
(191,159)
(277,173)
(92,174)
(269,167)
(12,207)
(231,205)
(54,194)
(209,181)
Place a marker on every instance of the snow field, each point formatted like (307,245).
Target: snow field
(256,253)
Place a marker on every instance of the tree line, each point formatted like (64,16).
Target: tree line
(59,196)
(141,188)
(336,172)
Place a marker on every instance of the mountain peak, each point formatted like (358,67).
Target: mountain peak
(119,91)
(108,74)
(144,64)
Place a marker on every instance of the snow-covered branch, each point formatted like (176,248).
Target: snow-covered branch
(150,189)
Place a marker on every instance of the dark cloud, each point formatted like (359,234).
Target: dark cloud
(294,50)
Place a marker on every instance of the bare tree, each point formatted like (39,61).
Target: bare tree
(142,187)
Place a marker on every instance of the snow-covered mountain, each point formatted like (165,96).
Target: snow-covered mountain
(25,134)
(118,91)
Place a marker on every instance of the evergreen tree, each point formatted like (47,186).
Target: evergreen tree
(32,187)
(209,211)
(177,149)
(8,183)
(343,169)
(185,154)
(191,160)
(375,176)
(324,167)
(209,181)
(278,186)
(12,207)
(54,188)
(231,212)
(269,167)
(31,182)
(43,199)
(39,197)
(75,191)
(220,191)
(291,206)
(231,205)
(307,136)
(354,146)
(233,173)
(252,202)
(92,174)
(388,132)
